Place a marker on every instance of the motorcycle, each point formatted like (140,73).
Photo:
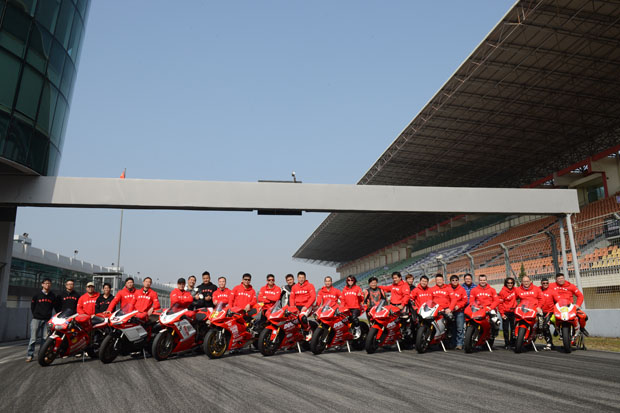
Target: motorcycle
(432,327)
(334,330)
(181,330)
(565,319)
(228,330)
(385,328)
(127,334)
(283,330)
(526,327)
(70,334)
(478,331)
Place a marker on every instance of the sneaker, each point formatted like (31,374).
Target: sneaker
(555,333)
(547,347)
(357,333)
(458,348)
(28,359)
(308,335)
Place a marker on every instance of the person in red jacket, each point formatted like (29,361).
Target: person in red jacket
(562,290)
(547,308)
(421,294)
(303,295)
(87,303)
(399,291)
(179,297)
(460,302)
(125,297)
(244,297)
(507,303)
(485,296)
(442,295)
(529,295)
(270,293)
(352,298)
(145,301)
(328,293)
(222,294)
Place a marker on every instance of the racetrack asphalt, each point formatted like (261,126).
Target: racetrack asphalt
(339,381)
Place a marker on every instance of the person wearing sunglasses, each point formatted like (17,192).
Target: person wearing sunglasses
(507,304)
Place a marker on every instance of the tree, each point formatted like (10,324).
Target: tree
(522,274)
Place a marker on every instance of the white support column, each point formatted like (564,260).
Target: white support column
(7,229)
(563,246)
(573,250)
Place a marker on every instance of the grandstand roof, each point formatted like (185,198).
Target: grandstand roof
(538,94)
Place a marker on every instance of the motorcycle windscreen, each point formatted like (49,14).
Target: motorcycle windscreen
(176,307)
(66,313)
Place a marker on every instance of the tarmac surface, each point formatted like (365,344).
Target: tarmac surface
(501,381)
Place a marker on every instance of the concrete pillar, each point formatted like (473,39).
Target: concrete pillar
(7,229)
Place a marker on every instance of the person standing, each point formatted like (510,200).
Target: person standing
(104,299)
(222,294)
(410,280)
(328,293)
(287,289)
(303,295)
(42,305)
(68,299)
(87,303)
(548,309)
(352,298)
(468,285)
(204,294)
(460,295)
(124,297)
(507,304)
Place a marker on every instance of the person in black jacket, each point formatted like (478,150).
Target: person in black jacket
(204,294)
(42,305)
(68,299)
(104,300)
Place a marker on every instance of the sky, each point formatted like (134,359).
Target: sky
(242,91)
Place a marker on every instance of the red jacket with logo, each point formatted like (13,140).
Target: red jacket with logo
(86,304)
(125,297)
(144,301)
(507,300)
(547,303)
(222,296)
(242,296)
(566,292)
(325,296)
(303,295)
(486,296)
(420,295)
(399,293)
(460,296)
(443,296)
(181,298)
(530,297)
(269,296)
(352,297)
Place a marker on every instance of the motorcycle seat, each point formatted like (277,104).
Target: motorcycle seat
(97,320)
(201,316)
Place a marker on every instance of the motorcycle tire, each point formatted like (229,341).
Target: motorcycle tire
(372,344)
(108,351)
(360,343)
(162,346)
(566,337)
(320,339)
(520,340)
(470,339)
(47,355)
(266,346)
(211,347)
(422,339)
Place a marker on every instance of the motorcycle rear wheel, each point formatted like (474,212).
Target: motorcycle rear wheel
(470,338)
(372,343)
(212,347)
(266,346)
(566,337)
(422,339)
(47,355)
(520,340)
(108,350)
(163,346)
(320,339)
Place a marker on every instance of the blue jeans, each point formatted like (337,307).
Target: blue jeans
(458,329)
(37,329)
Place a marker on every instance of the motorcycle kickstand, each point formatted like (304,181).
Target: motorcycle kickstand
(398,345)
(443,347)
(534,345)
(298,347)
(488,345)
(348,348)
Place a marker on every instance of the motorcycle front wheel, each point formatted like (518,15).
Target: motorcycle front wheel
(566,337)
(163,346)
(266,346)
(520,339)
(319,341)
(108,350)
(372,343)
(470,338)
(422,338)
(47,355)
(214,345)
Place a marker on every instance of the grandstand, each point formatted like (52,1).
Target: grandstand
(536,104)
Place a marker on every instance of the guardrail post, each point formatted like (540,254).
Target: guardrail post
(563,246)
(554,251)
(506,259)
(472,266)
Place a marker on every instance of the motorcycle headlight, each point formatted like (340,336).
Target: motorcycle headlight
(58,327)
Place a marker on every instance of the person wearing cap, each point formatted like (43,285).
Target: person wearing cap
(87,302)
(179,296)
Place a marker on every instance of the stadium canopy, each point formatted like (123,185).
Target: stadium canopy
(541,92)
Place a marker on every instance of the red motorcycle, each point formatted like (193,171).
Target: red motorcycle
(479,330)
(385,328)
(565,320)
(127,334)
(70,334)
(526,327)
(181,330)
(334,330)
(432,327)
(228,330)
(283,330)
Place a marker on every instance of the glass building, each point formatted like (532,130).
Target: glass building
(40,45)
